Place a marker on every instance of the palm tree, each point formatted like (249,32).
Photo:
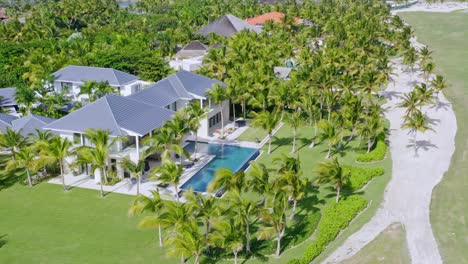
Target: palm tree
(242,211)
(294,120)
(330,133)
(136,169)
(275,218)
(161,140)
(169,172)
(227,235)
(417,122)
(228,180)
(206,208)
(25,158)
(439,83)
(259,181)
(424,93)
(97,158)
(188,241)
(12,141)
(289,179)
(153,205)
(268,121)
(332,172)
(89,88)
(428,69)
(195,114)
(411,102)
(425,54)
(55,152)
(410,57)
(218,95)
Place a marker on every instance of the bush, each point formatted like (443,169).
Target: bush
(377,154)
(361,176)
(335,218)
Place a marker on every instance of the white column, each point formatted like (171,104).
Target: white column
(137,140)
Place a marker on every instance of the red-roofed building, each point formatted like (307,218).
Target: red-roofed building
(272,16)
(3,14)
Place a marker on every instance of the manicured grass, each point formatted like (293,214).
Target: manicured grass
(46,225)
(252,133)
(447,35)
(321,197)
(387,248)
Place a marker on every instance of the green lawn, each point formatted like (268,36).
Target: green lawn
(252,133)
(282,143)
(387,248)
(46,225)
(447,35)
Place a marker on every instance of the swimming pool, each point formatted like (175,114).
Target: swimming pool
(226,156)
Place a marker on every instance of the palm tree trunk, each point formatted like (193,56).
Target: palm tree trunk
(63,177)
(102,183)
(329,151)
(278,246)
(182,259)
(197,259)
(293,211)
(269,143)
(312,144)
(247,236)
(196,144)
(329,113)
(177,192)
(369,145)
(29,178)
(138,184)
(160,236)
(294,141)
(234,113)
(235,256)
(222,119)
(243,108)
(338,189)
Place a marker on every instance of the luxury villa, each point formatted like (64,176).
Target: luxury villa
(136,116)
(71,78)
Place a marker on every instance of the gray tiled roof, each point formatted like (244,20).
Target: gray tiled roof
(7,97)
(5,121)
(226,26)
(116,114)
(192,50)
(81,74)
(181,85)
(30,123)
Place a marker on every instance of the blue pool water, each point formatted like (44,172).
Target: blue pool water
(226,156)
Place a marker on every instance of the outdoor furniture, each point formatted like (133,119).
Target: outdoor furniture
(188,164)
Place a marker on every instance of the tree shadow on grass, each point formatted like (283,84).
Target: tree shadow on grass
(10,179)
(279,142)
(3,241)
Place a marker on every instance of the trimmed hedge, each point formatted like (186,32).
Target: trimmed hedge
(377,154)
(361,176)
(335,218)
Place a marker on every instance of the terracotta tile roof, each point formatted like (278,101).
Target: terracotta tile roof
(273,16)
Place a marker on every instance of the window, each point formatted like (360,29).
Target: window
(77,138)
(172,106)
(205,103)
(214,120)
(136,88)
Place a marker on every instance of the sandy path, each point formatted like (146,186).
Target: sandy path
(408,195)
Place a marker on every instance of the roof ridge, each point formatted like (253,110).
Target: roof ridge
(181,84)
(112,113)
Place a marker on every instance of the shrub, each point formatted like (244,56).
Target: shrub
(361,176)
(335,218)
(377,154)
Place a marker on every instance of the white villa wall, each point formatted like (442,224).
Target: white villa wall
(74,91)
(205,130)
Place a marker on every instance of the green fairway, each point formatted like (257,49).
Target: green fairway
(447,35)
(387,248)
